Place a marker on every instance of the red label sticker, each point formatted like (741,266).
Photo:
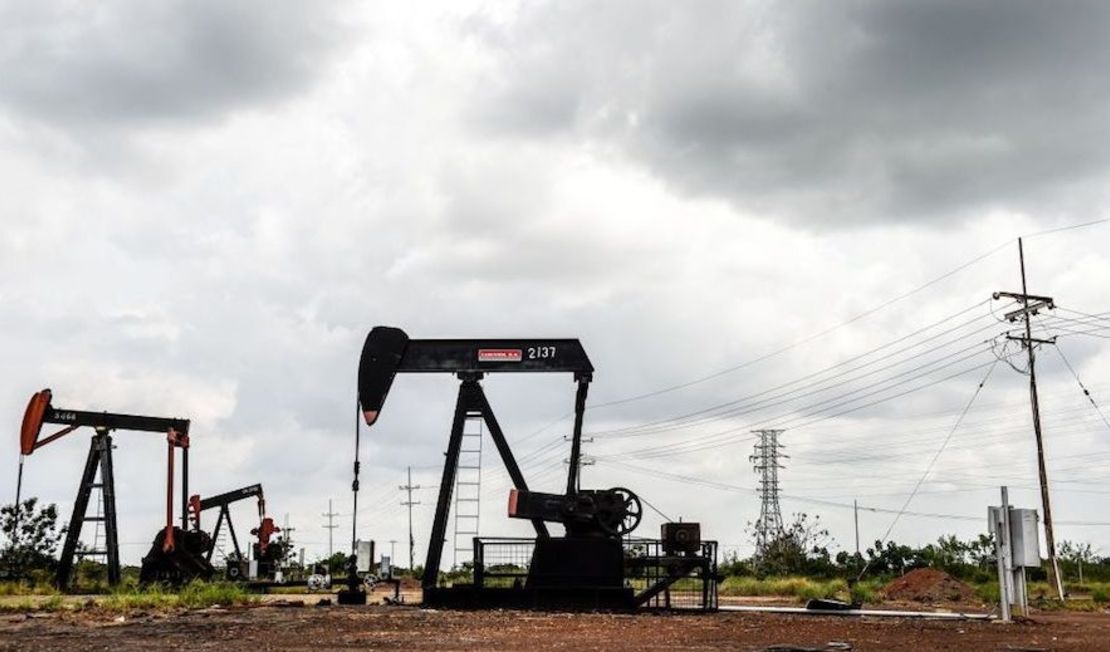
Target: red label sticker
(500,355)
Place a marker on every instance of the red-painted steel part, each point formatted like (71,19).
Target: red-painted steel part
(32,421)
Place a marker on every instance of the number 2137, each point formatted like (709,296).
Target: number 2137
(541,352)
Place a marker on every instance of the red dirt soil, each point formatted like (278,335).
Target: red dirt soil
(317,629)
(930,586)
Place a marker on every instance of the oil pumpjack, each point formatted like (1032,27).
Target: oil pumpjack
(177,553)
(595,565)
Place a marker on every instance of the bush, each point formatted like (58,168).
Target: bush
(988,592)
(865,592)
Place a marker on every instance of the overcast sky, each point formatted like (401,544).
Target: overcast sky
(206,206)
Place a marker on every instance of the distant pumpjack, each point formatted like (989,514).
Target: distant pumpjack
(171,540)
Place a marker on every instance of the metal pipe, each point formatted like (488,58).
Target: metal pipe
(943,615)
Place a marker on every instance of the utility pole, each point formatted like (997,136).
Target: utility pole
(855,510)
(1031,305)
(392,549)
(287,533)
(409,487)
(766,462)
(583,459)
(330,515)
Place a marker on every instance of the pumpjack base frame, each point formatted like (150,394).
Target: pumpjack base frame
(517,573)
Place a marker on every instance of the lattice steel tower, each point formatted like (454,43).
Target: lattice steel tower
(765,461)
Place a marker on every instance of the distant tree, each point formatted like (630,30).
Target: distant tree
(32,535)
(801,548)
(336,564)
(1077,554)
(893,559)
(981,551)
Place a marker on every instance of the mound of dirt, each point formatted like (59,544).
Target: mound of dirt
(928,585)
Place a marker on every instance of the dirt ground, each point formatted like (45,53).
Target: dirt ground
(294,625)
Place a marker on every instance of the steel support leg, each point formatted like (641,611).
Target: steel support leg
(446,488)
(80,506)
(108,493)
(226,513)
(215,535)
(498,436)
(576,440)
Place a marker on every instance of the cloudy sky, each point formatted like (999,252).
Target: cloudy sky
(753,214)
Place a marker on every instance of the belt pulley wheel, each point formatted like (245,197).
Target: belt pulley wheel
(621,514)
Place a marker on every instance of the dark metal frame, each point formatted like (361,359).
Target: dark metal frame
(650,572)
(389,351)
(471,402)
(224,501)
(41,412)
(100,457)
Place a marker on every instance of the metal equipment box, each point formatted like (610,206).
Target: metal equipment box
(1024,538)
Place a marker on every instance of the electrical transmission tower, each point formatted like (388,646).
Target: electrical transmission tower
(765,461)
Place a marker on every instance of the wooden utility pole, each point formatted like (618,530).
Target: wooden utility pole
(855,510)
(1031,305)
(409,503)
(330,527)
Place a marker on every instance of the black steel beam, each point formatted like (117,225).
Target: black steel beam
(113,421)
(479,397)
(229,497)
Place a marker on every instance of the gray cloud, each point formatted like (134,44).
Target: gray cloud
(120,64)
(826,114)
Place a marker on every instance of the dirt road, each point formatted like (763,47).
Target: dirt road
(406,628)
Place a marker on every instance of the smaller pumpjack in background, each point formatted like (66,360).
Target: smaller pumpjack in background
(268,553)
(177,554)
(592,567)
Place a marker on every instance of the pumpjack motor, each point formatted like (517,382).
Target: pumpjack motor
(596,564)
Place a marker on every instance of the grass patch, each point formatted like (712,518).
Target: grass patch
(20,606)
(802,588)
(198,595)
(195,595)
(26,588)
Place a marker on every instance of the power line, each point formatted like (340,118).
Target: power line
(1066,228)
(933,461)
(809,338)
(711,484)
(726,437)
(1082,387)
(667,424)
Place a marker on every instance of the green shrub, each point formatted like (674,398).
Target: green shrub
(988,592)
(865,592)
(53,603)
